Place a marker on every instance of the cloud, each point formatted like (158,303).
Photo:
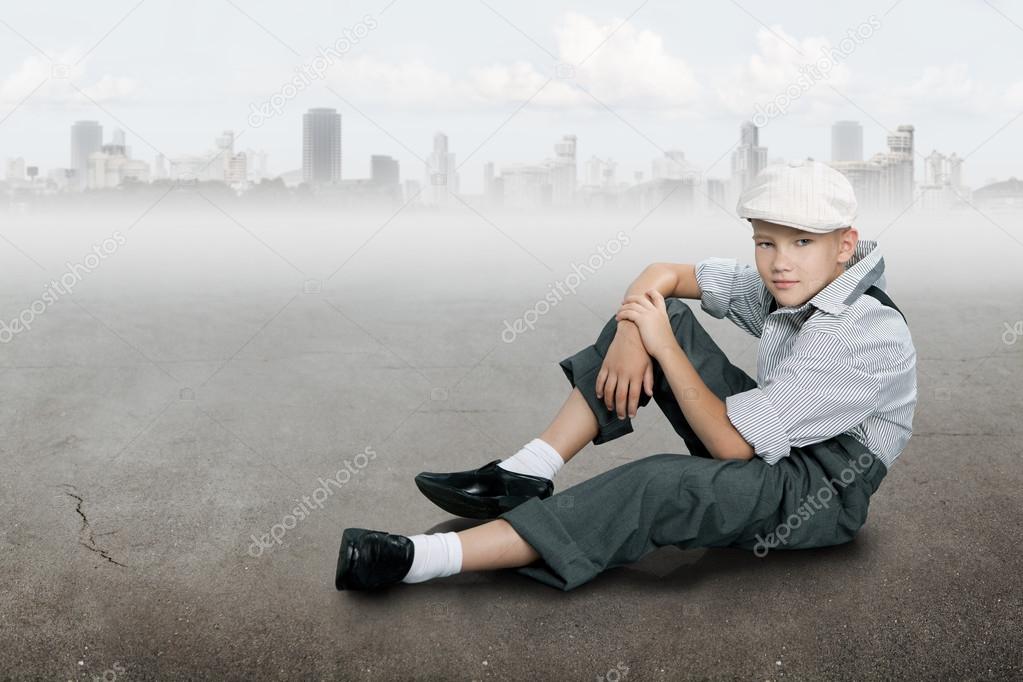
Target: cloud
(786,70)
(1014,95)
(507,83)
(402,84)
(632,69)
(942,83)
(43,84)
(946,89)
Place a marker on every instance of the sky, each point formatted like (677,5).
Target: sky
(505,80)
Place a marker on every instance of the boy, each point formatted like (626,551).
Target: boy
(789,460)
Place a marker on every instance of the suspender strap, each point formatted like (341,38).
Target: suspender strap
(880,295)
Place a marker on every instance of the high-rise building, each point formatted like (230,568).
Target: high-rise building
(160,167)
(383,170)
(897,179)
(227,166)
(86,139)
(112,166)
(488,182)
(564,172)
(526,185)
(865,178)
(674,166)
(385,177)
(256,166)
(601,173)
(847,141)
(886,181)
(441,176)
(15,170)
(943,181)
(237,170)
(748,159)
(321,146)
(683,181)
(716,191)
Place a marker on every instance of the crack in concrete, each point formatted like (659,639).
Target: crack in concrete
(89,541)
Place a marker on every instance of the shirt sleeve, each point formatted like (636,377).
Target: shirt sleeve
(730,289)
(818,391)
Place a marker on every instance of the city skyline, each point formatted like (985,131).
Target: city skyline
(748,154)
(887,180)
(656,81)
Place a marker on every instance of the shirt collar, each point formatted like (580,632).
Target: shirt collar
(863,269)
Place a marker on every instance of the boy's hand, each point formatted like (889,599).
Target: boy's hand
(626,372)
(650,314)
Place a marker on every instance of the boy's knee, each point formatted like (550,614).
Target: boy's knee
(678,310)
(655,466)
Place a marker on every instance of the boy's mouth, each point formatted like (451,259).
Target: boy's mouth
(785,283)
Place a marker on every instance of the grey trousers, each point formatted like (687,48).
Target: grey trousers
(815,497)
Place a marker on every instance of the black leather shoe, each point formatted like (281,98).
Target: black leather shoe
(369,559)
(482,493)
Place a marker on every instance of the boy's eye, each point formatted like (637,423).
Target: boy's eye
(805,239)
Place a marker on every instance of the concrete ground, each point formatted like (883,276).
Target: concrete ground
(203,381)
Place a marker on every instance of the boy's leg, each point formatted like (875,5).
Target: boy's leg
(710,362)
(573,427)
(815,497)
(493,545)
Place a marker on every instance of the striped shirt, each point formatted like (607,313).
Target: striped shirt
(839,363)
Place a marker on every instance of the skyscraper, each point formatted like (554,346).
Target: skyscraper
(897,185)
(441,176)
(886,180)
(321,146)
(385,177)
(748,159)
(488,182)
(847,141)
(383,170)
(86,139)
(564,172)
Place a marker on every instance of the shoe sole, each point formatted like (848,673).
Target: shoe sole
(465,505)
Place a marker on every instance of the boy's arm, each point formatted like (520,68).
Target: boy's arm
(705,412)
(626,370)
(733,290)
(824,387)
(673,280)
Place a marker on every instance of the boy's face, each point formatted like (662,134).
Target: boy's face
(809,260)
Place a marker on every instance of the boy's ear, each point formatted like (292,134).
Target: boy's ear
(847,242)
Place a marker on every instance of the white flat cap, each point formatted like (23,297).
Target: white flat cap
(807,195)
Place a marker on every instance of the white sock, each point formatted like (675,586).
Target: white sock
(436,555)
(536,458)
